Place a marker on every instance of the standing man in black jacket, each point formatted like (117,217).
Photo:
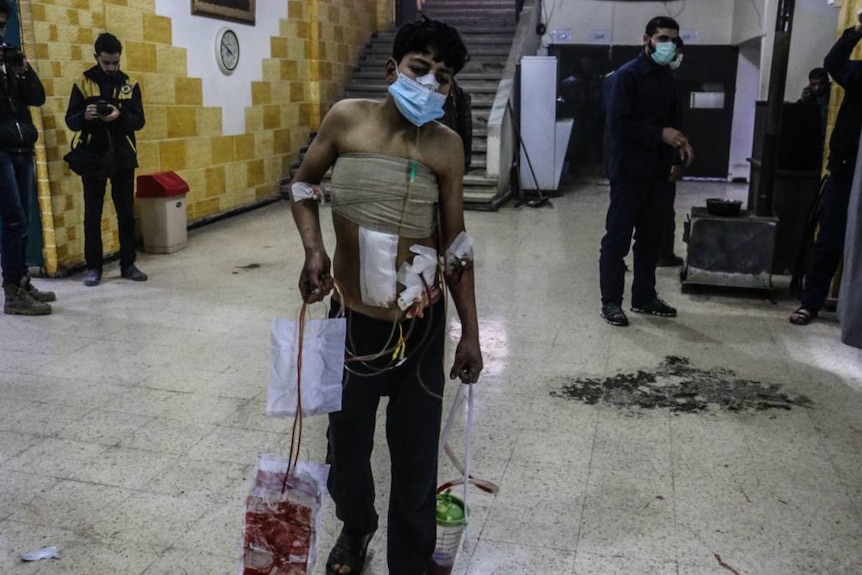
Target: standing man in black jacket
(644,143)
(20,87)
(106,108)
(843,146)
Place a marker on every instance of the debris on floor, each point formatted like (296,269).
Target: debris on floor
(43,553)
(681,388)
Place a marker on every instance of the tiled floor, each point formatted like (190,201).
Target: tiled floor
(130,419)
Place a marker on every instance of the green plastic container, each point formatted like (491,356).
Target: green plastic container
(451,520)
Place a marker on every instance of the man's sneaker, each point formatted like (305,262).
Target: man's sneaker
(671,261)
(613,314)
(133,273)
(42,296)
(657,307)
(19,302)
(93,277)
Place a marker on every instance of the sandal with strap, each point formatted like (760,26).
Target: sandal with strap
(350,550)
(802,316)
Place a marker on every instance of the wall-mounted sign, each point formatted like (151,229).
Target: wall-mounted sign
(238,10)
(688,36)
(561,36)
(600,37)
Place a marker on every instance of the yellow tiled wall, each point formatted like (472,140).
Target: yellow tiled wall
(317,46)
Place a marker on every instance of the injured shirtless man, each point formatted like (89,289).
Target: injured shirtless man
(397,208)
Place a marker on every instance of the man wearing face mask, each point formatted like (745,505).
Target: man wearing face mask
(106,109)
(644,146)
(397,206)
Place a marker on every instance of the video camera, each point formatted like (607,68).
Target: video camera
(11,55)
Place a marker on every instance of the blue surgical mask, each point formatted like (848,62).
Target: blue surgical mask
(664,53)
(418,100)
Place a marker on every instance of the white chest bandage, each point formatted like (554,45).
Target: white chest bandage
(378,252)
(302,191)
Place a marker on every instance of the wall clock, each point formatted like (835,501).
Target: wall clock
(227,50)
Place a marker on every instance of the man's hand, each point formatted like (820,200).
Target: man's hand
(315,281)
(676,139)
(115,113)
(468,361)
(675,173)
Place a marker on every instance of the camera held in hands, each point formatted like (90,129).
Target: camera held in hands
(11,55)
(103,108)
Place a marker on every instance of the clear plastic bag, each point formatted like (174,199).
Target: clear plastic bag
(322,366)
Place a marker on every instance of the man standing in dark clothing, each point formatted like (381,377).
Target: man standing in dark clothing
(20,87)
(106,108)
(843,146)
(643,145)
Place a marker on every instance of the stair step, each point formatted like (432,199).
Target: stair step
(489,38)
(463,78)
(472,88)
(473,50)
(479,102)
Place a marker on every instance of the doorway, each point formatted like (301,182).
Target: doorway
(706,89)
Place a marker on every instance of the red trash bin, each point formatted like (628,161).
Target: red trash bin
(162,201)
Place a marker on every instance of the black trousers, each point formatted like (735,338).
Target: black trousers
(638,206)
(123,195)
(412,432)
(828,248)
(669,227)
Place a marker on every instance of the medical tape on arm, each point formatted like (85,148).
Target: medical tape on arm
(301,191)
(460,253)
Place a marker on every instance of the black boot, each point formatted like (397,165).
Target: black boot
(19,302)
(36,294)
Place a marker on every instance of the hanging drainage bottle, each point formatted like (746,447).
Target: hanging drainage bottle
(451,520)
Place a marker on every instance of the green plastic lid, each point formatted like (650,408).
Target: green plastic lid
(450,509)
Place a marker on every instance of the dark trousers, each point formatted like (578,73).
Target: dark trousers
(412,432)
(16,179)
(638,206)
(123,195)
(828,248)
(669,226)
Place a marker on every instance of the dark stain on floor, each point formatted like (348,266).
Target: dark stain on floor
(677,386)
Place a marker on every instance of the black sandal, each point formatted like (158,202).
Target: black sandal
(802,316)
(350,551)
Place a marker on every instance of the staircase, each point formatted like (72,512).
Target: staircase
(487,28)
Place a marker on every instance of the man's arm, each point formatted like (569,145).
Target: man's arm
(467,364)
(32,90)
(315,280)
(838,63)
(75,110)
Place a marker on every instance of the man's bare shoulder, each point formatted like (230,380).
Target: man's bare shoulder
(352,106)
(446,142)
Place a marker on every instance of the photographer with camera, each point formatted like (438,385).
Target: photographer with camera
(106,108)
(20,87)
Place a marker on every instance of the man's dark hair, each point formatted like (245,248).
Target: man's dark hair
(107,43)
(426,35)
(818,74)
(4,7)
(661,22)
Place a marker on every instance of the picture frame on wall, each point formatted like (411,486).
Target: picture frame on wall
(235,10)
